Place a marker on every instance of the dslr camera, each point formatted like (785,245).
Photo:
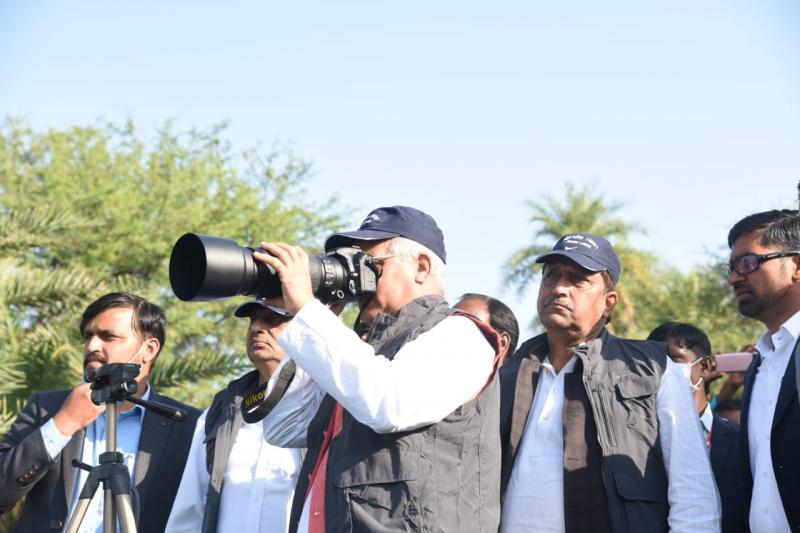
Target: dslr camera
(202,268)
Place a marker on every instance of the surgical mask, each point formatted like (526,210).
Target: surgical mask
(686,369)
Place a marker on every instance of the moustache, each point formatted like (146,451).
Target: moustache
(556,300)
(94,357)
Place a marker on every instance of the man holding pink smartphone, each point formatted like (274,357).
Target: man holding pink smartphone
(764,272)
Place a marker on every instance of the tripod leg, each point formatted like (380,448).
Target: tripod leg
(127,522)
(77,515)
(109,513)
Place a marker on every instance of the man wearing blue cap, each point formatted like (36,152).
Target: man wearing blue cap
(234,480)
(407,436)
(599,433)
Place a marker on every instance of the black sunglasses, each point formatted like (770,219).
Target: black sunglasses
(747,263)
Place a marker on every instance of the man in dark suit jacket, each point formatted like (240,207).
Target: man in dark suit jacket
(764,271)
(690,348)
(56,427)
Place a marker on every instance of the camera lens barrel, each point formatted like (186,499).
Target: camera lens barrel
(202,267)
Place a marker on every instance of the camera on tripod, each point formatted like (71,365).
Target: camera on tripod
(114,381)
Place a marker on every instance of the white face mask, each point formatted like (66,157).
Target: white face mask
(686,369)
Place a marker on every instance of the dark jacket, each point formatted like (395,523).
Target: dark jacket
(223,421)
(620,380)
(725,464)
(784,440)
(441,477)
(26,467)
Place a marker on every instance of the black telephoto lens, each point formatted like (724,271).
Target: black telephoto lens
(202,268)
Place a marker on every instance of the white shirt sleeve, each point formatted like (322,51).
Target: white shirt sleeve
(287,424)
(190,502)
(54,441)
(427,379)
(693,499)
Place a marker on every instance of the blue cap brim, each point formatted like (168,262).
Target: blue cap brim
(346,238)
(585,261)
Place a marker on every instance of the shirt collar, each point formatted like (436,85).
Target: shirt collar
(567,369)
(788,332)
(707,418)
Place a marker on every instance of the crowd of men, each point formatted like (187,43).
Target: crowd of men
(427,417)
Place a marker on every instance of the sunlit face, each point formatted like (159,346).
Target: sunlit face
(109,338)
(765,292)
(396,282)
(262,335)
(573,300)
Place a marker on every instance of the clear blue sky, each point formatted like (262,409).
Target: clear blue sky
(687,111)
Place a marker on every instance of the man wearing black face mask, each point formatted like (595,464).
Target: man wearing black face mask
(56,427)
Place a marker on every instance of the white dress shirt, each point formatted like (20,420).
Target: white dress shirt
(535,494)
(426,380)
(766,510)
(257,488)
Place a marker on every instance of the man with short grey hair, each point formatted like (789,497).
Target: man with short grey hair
(407,436)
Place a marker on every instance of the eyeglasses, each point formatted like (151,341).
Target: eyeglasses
(747,263)
(378,260)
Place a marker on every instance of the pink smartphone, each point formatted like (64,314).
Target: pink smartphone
(734,362)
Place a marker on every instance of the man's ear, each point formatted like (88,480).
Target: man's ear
(796,266)
(707,366)
(505,344)
(612,297)
(424,267)
(151,349)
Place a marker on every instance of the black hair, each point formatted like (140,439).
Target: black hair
(780,227)
(501,318)
(693,337)
(148,318)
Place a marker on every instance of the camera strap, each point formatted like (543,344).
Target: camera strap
(256,404)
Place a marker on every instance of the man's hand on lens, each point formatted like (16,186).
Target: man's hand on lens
(78,411)
(291,264)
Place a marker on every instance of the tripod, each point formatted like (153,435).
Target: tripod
(111,384)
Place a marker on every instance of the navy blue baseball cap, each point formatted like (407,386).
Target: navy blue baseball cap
(589,251)
(390,222)
(246,309)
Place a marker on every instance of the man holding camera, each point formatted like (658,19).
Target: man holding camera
(234,480)
(599,432)
(407,438)
(56,427)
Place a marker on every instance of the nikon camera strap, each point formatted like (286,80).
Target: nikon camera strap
(256,404)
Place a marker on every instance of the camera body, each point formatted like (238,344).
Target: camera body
(114,381)
(202,268)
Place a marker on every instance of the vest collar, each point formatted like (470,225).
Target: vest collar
(386,326)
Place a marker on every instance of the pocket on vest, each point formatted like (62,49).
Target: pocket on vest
(637,395)
(644,499)
(380,492)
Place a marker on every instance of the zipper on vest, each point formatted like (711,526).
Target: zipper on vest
(606,416)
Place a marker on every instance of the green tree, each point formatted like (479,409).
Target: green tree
(88,210)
